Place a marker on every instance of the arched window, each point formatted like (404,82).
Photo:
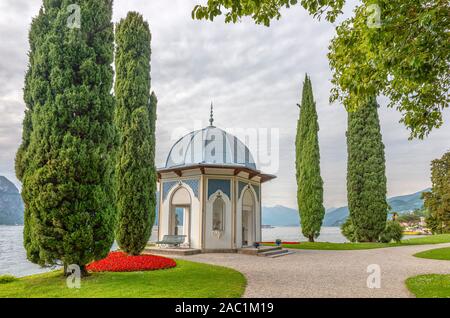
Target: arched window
(218,223)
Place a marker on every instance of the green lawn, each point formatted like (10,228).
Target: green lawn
(187,279)
(429,286)
(428,239)
(438,253)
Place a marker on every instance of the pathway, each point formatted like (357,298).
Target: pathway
(318,273)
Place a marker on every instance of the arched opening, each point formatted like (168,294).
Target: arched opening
(180,219)
(218,223)
(248,218)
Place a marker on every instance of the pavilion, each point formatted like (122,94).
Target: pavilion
(210,191)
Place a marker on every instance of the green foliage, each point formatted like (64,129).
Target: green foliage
(309,181)
(263,11)
(348,230)
(392,232)
(438,200)
(135,120)
(5,279)
(366,179)
(412,217)
(67,183)
(405,58)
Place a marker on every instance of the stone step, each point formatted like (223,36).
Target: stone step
(275,253)
(256,251)
(285,252)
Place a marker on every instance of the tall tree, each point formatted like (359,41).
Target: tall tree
(35,93)
(398,48)
(437,201)
(309,181)
(366,178)
(135,119)
(67,184)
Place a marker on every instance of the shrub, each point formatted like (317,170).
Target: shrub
(392,232)
(4,279)
(348,230)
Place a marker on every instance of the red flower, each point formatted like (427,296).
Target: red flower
(121,262)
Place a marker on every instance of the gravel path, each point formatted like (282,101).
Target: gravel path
(317,273)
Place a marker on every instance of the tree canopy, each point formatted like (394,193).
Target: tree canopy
(438,200)
(309,181)
(366,176)
(263,11)
(67,183)
(404,57)
(135,121)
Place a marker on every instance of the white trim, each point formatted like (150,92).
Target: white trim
(256,218)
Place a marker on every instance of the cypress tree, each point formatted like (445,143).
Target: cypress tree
(135,120)
(309,181)
(67,184)
(366,177)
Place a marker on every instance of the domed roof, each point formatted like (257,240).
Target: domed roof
(210,145)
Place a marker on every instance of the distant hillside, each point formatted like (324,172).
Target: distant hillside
(336,217)
(11,205)
(280,216)
(283,216)
(407,202)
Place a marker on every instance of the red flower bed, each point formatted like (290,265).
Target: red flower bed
(121,262)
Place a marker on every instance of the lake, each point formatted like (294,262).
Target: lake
(13,256)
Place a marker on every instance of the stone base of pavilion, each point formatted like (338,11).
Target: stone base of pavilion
(262,250)
(171,250)
(183,251)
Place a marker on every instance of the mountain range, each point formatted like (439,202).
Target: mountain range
(284,216)
(11,205)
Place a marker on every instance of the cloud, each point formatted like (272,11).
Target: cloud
(254,76)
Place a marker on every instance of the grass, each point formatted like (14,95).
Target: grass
(187,279)
(429,239)
(429,286)
(438,253)
(4,279)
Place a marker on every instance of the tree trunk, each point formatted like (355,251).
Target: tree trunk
(84,272)
(311,238)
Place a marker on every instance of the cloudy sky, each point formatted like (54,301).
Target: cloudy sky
(254,76)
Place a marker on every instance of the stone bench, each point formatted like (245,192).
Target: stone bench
(174,240)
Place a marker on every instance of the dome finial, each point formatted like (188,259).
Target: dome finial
(211,118)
